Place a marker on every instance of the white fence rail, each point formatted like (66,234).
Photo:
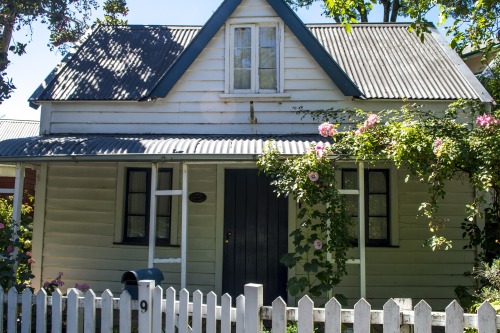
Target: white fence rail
(156,311)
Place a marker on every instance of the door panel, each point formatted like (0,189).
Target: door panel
(256,234)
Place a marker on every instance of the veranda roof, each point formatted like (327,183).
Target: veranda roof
(151,147)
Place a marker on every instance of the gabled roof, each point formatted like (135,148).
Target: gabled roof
(14,129)
(379,61)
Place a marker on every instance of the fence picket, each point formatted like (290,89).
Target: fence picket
(125,312)
(211,325)
(362,316)
(279,316)
(333,320)
(72,311)
(12,310)
(157,309)
(197,318)
(240,314)
(225,322)
(26,310)
(170,311)
(423,318)
(107,312)
(392,319)
(486,318)
(183,311)
(454,318)
(41,311)
(89,312)
(305,324)
(56,311)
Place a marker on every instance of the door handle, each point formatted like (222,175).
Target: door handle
(228,235)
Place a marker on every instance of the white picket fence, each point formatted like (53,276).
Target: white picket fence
(162,312)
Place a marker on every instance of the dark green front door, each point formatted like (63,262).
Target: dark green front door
(255,235)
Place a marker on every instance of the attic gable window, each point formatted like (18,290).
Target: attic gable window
(253,58)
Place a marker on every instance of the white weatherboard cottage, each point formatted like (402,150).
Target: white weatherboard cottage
(155,130)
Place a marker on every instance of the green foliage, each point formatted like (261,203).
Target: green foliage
(473,23)
(67,21)
(489,276)
(10,239)
(322,240)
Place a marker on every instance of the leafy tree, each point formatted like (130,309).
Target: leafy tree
(67,20)
(473,23)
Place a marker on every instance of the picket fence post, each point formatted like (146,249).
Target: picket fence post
(125,312)
(89,312)
(333,319)
(306,323)
(27,302)
(211,325)
(423,318)
(170,311)
(454,318)
(2,296)
(41,311)
(183,311)
(145,300)
(362,316)
(226,303)
(254,299)
(486,318)
(157,309)
(107,312)
(57,311)
(240,314)
(12,310)
(279,322)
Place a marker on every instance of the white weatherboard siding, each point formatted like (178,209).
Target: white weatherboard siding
(79,235)
(79,230)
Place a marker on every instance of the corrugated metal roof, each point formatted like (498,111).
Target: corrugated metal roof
(52,147)
(388,61)
(119,63)
(12,129)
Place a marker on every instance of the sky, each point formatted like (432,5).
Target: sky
(29,70)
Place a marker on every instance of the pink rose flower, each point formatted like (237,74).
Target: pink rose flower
(437,145)
(313,176)
(317,244)
(320,150)
(10,249)
(327,129)
(371,121)
(2,225)
(486,120)
(31,261)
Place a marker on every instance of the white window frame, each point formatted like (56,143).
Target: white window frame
(120,201)
(229,91)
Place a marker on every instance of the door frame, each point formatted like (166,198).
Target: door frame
(219,228)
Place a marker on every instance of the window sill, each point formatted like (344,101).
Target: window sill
(124,244)
(252,97)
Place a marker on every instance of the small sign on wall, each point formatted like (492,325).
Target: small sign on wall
(197,197)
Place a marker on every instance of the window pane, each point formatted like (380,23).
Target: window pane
(242,79)
(377,181)
(267,58)
(267,37)
(377,205)
(267,79)
(349,180)
(163,205)
(137,181)
(352,204)
(354,227)
(377,228)
(242,58)
(137,203)
(163,227)
(243,37)
(164,180)
(136,226)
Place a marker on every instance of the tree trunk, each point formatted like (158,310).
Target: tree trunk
(395,10)
(5,39)
(363,14)
(387,9)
